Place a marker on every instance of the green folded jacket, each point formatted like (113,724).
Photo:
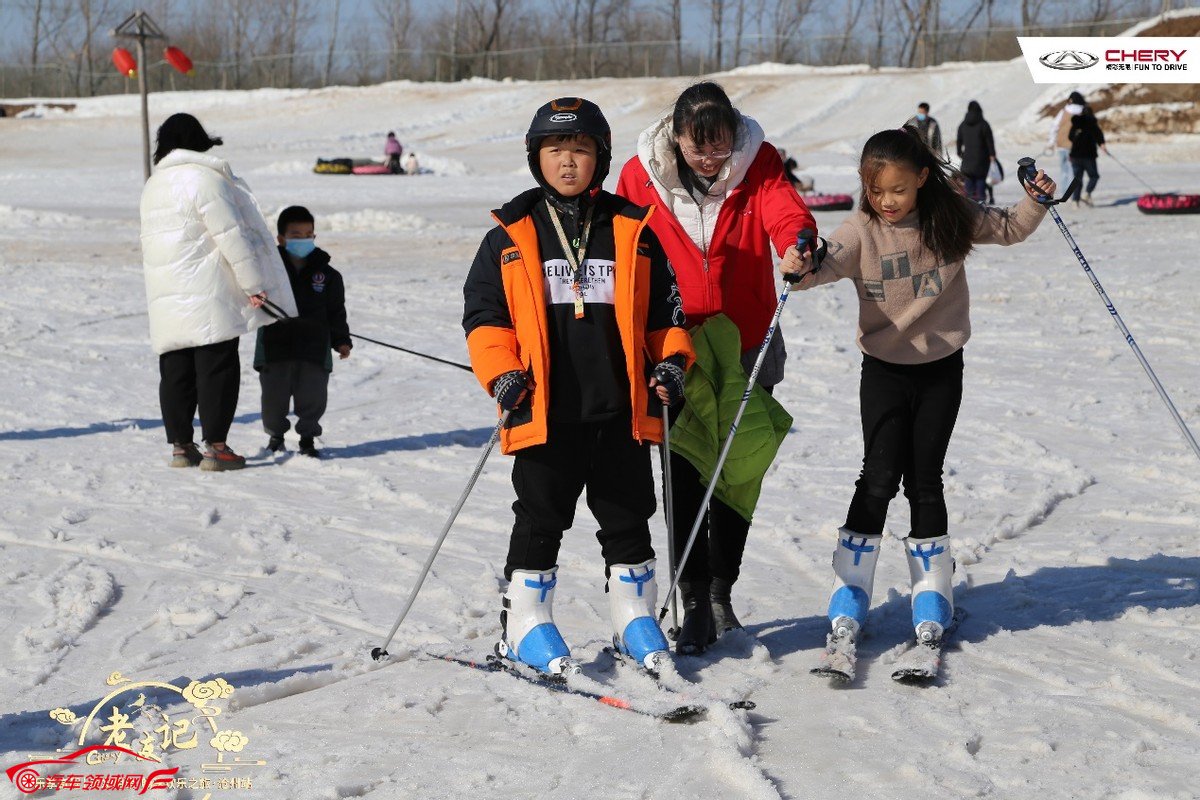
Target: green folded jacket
(713,391)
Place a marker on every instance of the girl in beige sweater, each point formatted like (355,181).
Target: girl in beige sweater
(904,249)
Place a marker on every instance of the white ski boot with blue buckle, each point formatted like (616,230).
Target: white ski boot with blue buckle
(854,561)
(529,634)
(931,567)
(632,596)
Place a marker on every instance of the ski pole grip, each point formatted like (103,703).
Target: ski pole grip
(1027,171)
(1027,168)
(804,241)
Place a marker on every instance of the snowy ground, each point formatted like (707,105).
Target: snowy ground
(1074,501)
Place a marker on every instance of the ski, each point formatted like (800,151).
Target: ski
(839,659)
(921,662)
(493,663)
(677,685)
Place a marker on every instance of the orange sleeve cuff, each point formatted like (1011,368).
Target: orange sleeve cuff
(671,342)
(493,352)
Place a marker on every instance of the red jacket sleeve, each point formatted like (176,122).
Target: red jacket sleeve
(783,211)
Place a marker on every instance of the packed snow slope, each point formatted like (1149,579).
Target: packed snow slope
(1074,501)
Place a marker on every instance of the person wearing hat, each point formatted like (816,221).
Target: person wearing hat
(1060,135)
(575,326)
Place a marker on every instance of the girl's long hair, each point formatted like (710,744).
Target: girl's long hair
(947,218)
(182,131)
(705,114)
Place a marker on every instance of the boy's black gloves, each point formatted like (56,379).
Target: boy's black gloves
(669,374)
(510,388)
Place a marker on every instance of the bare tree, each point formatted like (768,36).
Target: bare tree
(716,19)
(33,50)
(1031,13)
(677,33)
(333,32)
(397,16)
(787,20)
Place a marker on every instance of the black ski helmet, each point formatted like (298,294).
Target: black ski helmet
(570,116)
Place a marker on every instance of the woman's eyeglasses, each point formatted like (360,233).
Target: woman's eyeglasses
(696,155)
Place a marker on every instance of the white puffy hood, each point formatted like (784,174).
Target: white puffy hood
(656,151)
(205,249)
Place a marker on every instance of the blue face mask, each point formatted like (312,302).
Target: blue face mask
(920,116)
(300,248)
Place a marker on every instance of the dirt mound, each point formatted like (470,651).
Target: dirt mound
(1128,109)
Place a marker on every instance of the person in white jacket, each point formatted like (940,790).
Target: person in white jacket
(209,261)
(1059,136)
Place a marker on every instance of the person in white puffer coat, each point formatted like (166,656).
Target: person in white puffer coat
(209,261)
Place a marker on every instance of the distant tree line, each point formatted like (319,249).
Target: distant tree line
(63,47)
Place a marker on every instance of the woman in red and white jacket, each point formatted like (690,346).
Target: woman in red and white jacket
(724,203)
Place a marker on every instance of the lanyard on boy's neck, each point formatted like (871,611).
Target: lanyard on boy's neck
(575,255)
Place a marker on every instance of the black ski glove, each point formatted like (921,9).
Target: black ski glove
(510,389)
(669,374)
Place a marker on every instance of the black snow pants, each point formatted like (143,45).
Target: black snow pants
(908,415)
(604,459)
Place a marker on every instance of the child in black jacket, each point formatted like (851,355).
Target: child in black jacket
(293,357)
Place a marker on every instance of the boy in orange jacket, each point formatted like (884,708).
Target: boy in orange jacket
(574,324)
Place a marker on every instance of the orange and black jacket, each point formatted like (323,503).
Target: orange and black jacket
(516,319)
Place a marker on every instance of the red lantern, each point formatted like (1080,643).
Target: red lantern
(177,59)
(125,62)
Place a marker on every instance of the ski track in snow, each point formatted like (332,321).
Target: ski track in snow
(1073,502)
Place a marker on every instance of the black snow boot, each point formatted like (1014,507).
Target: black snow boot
(308,447)
(722,608)
(697,631)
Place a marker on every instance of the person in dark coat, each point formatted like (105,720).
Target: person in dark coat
(294,356)
(1086,141)
(977,150)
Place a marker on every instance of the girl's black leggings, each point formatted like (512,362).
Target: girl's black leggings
(908,415)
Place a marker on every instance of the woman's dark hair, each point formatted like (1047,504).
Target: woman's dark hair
(182,131)
(947,218)
(705,115)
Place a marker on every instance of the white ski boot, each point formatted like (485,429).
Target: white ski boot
(528,633)
(632,595)
(931,567)
(854,561)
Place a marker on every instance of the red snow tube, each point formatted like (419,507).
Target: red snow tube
(1169,204)
(828,202)
(371,169)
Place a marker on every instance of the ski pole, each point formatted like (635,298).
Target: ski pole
(380,653)
(1131,172)
(412,352)
(669,502)
(804,240)
(1027,170)
(278,313)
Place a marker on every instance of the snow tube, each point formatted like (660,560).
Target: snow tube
(333,166)
(1169,204)
(371,169)
(829,202)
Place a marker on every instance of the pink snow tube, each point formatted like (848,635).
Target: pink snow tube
(828,202)
(1169,204)
(371,169)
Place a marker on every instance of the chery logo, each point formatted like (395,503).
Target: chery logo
(1069,59)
